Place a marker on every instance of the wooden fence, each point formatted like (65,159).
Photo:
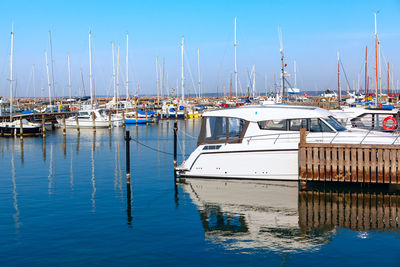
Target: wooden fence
(363,163)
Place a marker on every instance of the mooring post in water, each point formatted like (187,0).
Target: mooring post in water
(136,116)
(77,124)
(145,112)
(123,118)
(64,126)
(43,127)
(94,121)
(175,143)
(21,128)
(109,120)
(128,159)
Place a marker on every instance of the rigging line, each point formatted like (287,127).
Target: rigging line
(188,135)
(345,75)
(190,72)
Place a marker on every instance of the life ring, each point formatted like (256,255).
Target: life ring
(389,125)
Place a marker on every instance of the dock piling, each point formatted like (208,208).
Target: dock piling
(94,121)
(175,143)
(64,126)
(109,120)
(77,124)
(128,159)
(123,118)
(43,127)
(21,129)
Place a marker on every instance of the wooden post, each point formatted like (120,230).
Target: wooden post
(43,127)
(175,144)
(21,128)
(303,137)
(93,121)
(123,118)
(193,113)
(136,116)
(167,113)
(64,126)
(145,112)
(176,112)
(77,123)
(128,160)
(109,120)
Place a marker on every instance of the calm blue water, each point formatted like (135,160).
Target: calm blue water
(65,203)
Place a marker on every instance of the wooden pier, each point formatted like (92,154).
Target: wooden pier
(359,163)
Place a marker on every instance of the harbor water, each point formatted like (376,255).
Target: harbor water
(65,202)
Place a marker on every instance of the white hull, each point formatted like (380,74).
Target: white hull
(86,123)
(255,165)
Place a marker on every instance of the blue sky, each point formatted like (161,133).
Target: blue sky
(313,32)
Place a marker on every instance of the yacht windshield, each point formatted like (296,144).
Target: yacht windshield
(335,124)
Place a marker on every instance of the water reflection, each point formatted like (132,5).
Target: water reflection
(250,214)
(50,177)
(21,142)
(71,169)
(93,179)
(17,222)
(361,211)
(276,216)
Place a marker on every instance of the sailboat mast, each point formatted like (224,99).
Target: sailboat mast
(90,70)
(117,99)
(158,82)
(163,79)
(69,76)
(127,71)
(295,74)
(365,71)
(388,78)
(48,79)
(198,70)
(34,80)
(182,72)
(52,64)
(380,70)
(113,66)
(376,62)
(338,69)
(236,73)
(11,73)
(275,85)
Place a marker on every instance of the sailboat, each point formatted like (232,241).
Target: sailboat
(15,127)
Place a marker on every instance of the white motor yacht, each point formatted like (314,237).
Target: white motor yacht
(261,142)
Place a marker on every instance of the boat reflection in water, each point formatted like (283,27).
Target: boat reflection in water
(276,216)
(252,214)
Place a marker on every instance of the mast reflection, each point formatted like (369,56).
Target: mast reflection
(16,215)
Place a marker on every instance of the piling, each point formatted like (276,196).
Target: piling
(193,114)
(109,120)
(64,126)
(21,128)
(145,112)
(175,143)
(94,121)
(128,159)
(43,127)
(136,116)
(123,118)
(77,124)
(167,113)
(176,113)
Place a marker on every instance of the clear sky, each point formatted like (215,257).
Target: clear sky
(313,32)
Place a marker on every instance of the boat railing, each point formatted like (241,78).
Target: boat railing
(325,137)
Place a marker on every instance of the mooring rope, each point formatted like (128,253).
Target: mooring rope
(154,149)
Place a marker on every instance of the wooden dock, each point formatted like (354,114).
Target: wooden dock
(358,163)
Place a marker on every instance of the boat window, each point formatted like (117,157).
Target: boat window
(365,121)
(83,113)
(277,125)
(215,128)
(297,124)
(317,125)
(335,124)
(235,127)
